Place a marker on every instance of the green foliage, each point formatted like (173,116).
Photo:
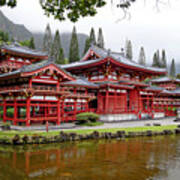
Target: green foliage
(28,43)
(142,58)
(25,43)
(92,37)
(147,80)
(74,47)
(47,40)
(4,36)
(100,41)
(178,76)
(87,117)
(72,10)
(128,50)
(31,43)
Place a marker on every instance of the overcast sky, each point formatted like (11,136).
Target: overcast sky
(146,27)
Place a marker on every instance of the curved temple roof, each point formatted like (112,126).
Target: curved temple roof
(165,79)
(103,53)
(16,48)
(34,67)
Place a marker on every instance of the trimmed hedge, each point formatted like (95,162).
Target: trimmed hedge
(87,117)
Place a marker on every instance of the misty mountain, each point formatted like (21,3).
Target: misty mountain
(17,31)
(21,33)
(65,41)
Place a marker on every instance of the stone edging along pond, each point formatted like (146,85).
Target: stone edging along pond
(68,137)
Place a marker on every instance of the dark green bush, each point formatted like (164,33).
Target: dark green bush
(87,117)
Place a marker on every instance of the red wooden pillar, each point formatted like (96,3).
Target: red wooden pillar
(99,103)
(62,109)
(75,108)
(30,83)
(107,101)
(58,85)
(59,111)
(4,110)
(115,102)
(28,115)
(15,111)
(152,106)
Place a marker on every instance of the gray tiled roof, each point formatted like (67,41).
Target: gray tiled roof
(79,63)
(173,92)
(164,79)
(21,49)
(81,82)
(155,88)
(103,53)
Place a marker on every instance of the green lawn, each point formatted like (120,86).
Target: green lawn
(10,134)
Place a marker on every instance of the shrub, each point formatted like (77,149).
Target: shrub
(87,117)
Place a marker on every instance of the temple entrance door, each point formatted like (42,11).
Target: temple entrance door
(93,105)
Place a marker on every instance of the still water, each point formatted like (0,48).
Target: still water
(155,158)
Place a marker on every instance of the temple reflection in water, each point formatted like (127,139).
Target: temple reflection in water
(130,159)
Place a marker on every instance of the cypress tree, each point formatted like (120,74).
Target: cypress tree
(92,37)
(163,60)
(172,69)
(100,41)
(142,58)
(155,60)
(87,45)
(158,58)
(31,43)
(60,59)
(47,40)
(74,47)
(56,46)
(128,49)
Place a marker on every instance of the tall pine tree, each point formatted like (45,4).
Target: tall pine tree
(92,37)
(142,58)
(56,46)
(172,69)
(128,50)
(87,45)
(100,41)
(47,40)
(60,59)
(163,59)
(74,47)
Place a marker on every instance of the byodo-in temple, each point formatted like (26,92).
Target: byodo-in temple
(38,91)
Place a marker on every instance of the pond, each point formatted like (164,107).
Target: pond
(156,158)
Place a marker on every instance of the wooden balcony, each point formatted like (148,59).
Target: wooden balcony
(45,90)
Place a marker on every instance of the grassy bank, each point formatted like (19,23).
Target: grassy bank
(11,134)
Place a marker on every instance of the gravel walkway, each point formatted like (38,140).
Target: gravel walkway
(123,124)
(138,123)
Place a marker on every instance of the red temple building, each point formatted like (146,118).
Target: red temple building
(102,81)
